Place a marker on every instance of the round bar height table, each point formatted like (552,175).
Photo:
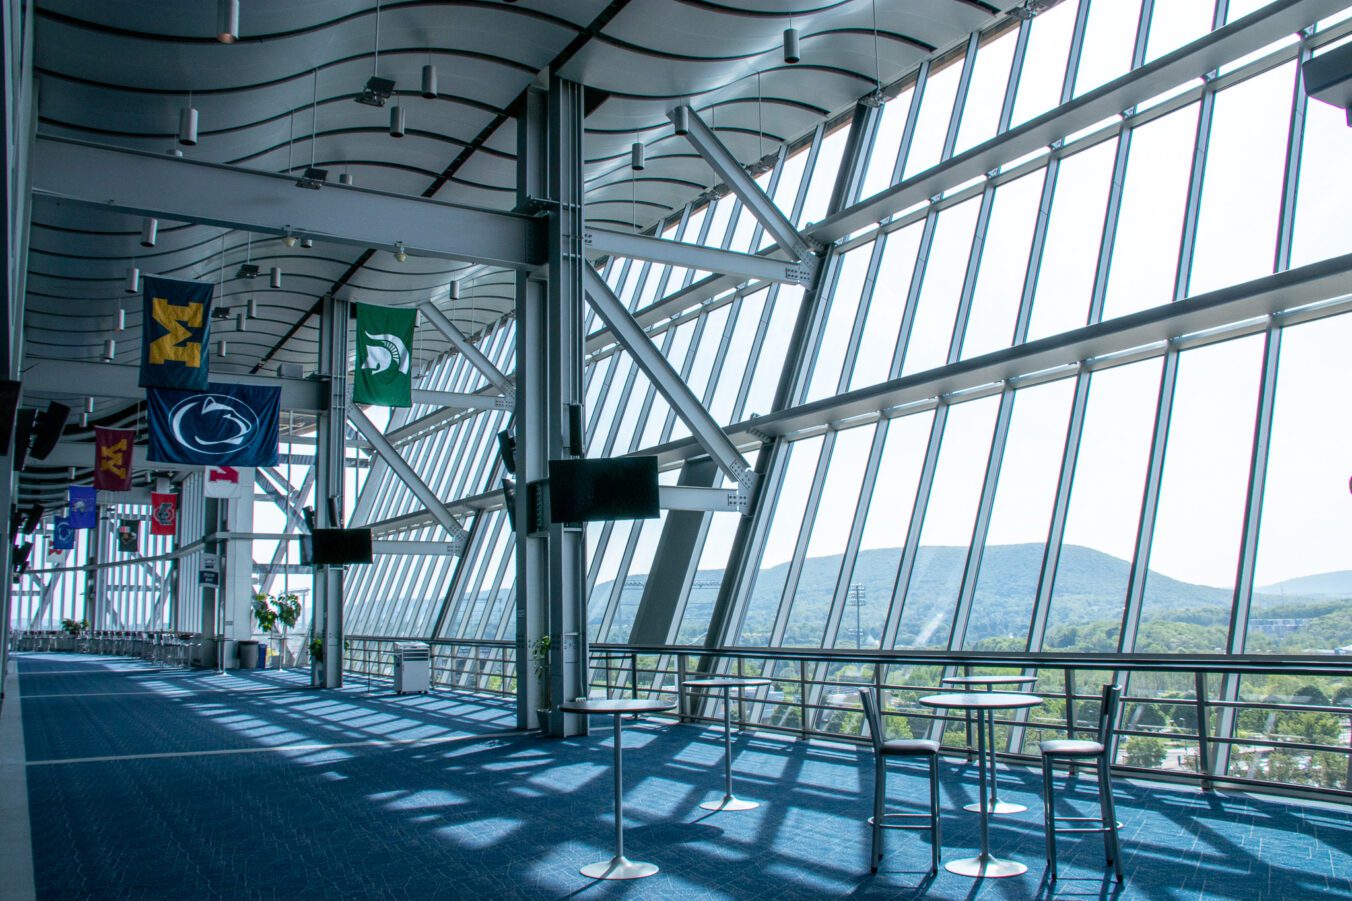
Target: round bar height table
(730,801)
(619,866)
(985,703)
(989,682)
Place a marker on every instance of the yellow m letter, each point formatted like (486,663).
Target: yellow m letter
(172,346)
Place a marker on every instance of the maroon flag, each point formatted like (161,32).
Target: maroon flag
(112,458)
(163,513)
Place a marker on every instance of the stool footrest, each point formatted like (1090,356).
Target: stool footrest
(926,826)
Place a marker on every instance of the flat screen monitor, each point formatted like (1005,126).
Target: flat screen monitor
(595,490)
(336,547)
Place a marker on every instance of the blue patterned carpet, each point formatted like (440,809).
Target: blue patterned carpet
(218,787)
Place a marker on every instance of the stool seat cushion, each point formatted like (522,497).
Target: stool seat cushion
(910,747)
(1065,747)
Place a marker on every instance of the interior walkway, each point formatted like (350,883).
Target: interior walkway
(159,783)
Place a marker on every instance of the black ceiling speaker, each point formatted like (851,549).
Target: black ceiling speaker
(47,431)
(33,519)
(21,555)
(23,436)
(1328,77)
(9,405)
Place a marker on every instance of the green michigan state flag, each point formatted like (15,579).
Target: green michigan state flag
(384,343)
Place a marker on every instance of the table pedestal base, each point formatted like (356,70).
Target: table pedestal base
(985,866)
(997,807)
(730,802)
(619,868)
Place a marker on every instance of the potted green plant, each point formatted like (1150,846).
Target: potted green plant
(72,628)
(539,655)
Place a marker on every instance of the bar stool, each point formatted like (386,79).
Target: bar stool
(883,749)
(1074,751)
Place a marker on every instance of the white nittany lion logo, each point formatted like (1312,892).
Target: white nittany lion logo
(385,352)
(213,424)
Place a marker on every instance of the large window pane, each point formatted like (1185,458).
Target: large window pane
(1150,223)
(1303,586)
(891,500)
(1004,262)
(1105,509)
(887,144)
(936,109)
(1109,37)
(1241,195)
(1324,202)
(932,331)
(878,341)
(1065,279)
(1044,63)
(1017,537)
(986,93)
(927,616)
(1195,547)
(835,336)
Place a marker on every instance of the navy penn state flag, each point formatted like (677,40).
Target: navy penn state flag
(177,323)
(226,425)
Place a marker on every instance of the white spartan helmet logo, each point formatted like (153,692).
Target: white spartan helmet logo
(384,353)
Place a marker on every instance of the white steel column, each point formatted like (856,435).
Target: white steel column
(332,423)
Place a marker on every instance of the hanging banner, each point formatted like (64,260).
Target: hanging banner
(163,513)
(129,536)
(384,337)
(112,458)
(227,425)
(227,481)
(177,317)
(63,535)
(84,509)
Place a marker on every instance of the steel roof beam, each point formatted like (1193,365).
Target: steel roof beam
(727,168)
(83,378)
(467,347)
(183,190)
(742,266)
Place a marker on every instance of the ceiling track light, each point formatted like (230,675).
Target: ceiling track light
(121,319)
(227,21)
(399,253)
(636,157)
(150,230)
(791,54)
(133,282)
(187,126)
(429,81)
(313,178)
(109,350)
(276,276)
(289,239)
(397,121)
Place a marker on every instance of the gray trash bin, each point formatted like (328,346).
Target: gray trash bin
(248,655)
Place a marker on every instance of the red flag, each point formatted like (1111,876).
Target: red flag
(163,513)
(112,458)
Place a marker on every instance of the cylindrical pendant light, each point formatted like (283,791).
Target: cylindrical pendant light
(227,21)
(222,350)
(289,240)
(84,420)
(680,120)
(344,179)
(241,321)
(187,126)
(174,151)
(253,308)
(636,160)
(429,81)
(109,350)
(396,121)
(121,319)
(455,290)
(89,405)
(276,276)
(791,54)
(133,283)
(307,243)
(150,229)
(70,473)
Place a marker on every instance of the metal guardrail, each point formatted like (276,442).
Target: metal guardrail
(481,666)
(171,648)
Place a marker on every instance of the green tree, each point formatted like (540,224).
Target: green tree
(1144,751)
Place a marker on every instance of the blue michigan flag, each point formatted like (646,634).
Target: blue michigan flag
(84,507)
(226,425)
(177,322)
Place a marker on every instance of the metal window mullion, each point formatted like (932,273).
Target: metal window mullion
(790,588)
(1056,532)
(706,222)
(668,338)
(1196,178)
(1015,75)
(721,355)
(867,485)
(969,280)
(912,545)
(475,546)
(828,278)
(912,114)
(753,356)
(778,453)
(1036,250)
(870,283)
(595,557)
(977,546)
(618,586)
(1295,144)
(1111,216)
(960,98)
(1074,52)
(917,282)
(622,403)
(1140,561)
(687,366)
(776,170)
